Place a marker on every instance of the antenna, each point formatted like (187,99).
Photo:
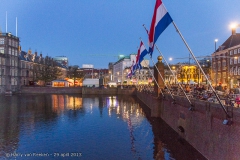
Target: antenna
(16,26)
(6,21)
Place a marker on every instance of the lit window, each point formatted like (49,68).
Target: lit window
(235,60)
(231,71)
(238,50)
(231,52)
(1,40)
(1,50)
(235,71)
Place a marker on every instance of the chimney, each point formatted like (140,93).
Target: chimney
(40,54)
(233,31)
(35,54)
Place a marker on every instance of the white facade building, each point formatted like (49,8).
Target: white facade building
(121,68)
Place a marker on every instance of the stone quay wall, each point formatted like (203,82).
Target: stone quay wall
(51,90)
(109,91)
(79,90)
(203,128)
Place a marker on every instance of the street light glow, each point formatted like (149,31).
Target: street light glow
(170,59)
(233,25)
(216,40)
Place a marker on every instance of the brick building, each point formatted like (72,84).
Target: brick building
(226,62)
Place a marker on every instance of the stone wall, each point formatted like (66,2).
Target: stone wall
(79,90)
(203,128)
(109,91)
(60,90)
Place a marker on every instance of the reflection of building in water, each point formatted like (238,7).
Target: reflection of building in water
(125,109)
(9,126)
(62,102)
(112,101)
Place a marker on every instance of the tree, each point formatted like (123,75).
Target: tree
(75,74)
(48,71)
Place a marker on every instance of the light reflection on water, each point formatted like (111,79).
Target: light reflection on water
(76,127)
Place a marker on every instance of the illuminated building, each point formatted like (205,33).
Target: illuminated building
(226,62)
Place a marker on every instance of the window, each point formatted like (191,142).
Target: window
(231,71)
(2,71)
(238,70)
(235,71)
(15,52)
(219,66)
(0,81)
(224,64)
(1,40)
(214,66)
(12,81)
(3,81)
(238,59)
(9,42)
(238,50)
(231,60)
(1,50)
(9,50)
(235,60)
(231,52)
(235,51)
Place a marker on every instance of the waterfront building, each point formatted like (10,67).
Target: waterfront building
(9,49)
(121,68)
(140,77)
(31,66)
(18,67)
(226,62)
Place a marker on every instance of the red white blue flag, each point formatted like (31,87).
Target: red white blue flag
(131,70)
(160,21)
(139,58)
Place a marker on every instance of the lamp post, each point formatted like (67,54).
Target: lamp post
(216,40)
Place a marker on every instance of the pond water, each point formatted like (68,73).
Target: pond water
(54,126)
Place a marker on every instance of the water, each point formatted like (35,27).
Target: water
(86,128)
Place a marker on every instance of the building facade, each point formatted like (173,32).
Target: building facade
(226,62)
(121,68)
(19,68)
(9,49)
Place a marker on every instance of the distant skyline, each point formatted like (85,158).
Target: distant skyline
(97,31)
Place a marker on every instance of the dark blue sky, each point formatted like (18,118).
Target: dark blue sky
(84,29)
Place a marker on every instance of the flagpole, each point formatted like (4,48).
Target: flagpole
(224,109)
(172,72)
(176,80)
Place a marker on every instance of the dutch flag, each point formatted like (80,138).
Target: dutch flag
(141,53)
(160,21)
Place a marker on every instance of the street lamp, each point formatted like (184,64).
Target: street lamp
(216,40)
